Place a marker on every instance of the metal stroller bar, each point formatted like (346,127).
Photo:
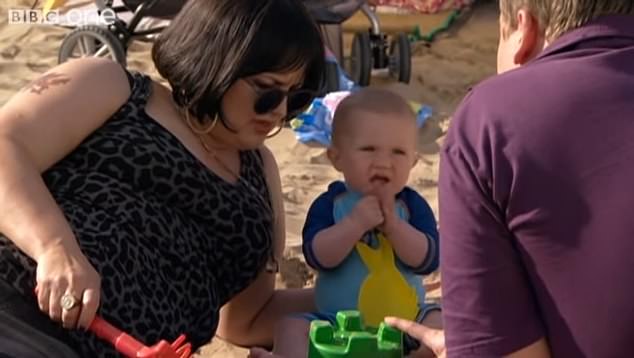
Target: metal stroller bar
(375,27)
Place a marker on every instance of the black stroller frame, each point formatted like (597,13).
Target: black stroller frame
(371,49)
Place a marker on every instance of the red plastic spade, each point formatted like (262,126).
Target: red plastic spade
(127,345)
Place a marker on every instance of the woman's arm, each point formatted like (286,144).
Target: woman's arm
(38,126)
(249,318)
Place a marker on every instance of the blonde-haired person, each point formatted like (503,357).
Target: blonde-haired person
(535,189)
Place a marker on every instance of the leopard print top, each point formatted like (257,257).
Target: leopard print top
(172,241)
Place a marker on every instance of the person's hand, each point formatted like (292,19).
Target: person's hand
(262,353)
(367,214)
(434,339)
(67,286)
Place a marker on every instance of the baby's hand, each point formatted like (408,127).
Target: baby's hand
(367,213)
(387,202)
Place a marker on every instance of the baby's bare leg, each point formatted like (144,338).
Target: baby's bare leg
(291,337)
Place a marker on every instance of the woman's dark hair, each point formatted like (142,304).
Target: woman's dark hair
(212,43)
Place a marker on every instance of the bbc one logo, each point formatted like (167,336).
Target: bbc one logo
(55,17)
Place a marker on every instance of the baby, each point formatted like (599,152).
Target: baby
(370,237)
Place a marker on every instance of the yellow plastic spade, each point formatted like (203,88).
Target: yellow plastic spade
(385,292)
(52,5)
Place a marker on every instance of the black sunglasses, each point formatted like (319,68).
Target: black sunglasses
(270,98)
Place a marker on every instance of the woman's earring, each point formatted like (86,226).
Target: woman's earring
(277,131)
(273,134)
(197,128)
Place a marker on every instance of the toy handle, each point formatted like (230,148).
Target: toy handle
(123,342)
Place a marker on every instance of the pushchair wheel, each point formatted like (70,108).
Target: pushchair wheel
(91,40)
(400,58)
(361,59)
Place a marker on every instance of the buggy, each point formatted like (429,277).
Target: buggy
(371,49)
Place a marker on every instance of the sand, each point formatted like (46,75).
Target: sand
(443,71)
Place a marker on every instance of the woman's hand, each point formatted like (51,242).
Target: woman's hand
(432,338)
(68,287)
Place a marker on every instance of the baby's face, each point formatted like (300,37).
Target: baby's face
(377,151)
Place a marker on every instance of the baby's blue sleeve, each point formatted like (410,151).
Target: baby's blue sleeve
(421,217)
(320,216)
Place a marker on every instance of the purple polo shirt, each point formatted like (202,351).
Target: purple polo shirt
(537,203)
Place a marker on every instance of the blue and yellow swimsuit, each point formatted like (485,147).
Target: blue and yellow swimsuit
(372,265)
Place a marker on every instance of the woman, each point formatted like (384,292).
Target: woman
(154,207)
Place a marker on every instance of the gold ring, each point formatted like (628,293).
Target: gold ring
(68,302)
